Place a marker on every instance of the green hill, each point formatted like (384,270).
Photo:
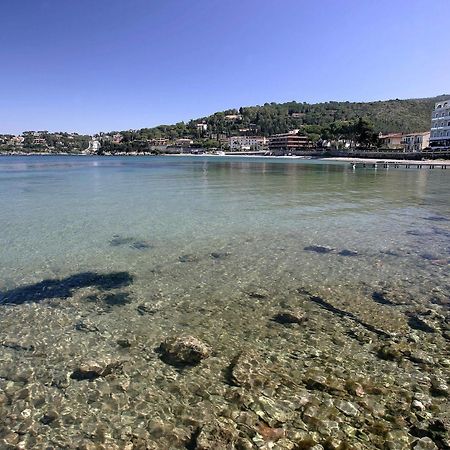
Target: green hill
(314,119)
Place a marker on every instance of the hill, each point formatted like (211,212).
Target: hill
(314,120)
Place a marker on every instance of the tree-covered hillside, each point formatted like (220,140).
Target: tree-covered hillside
(271,118)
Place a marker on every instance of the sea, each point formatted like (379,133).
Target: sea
(320,290)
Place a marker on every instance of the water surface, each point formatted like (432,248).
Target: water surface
(146,248)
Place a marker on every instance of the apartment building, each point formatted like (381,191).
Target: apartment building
(289,141)
(440,126)
(242,143)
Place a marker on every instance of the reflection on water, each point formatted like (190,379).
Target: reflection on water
(322,292)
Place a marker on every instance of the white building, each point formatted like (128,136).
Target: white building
(416,142)
(440,126)
(242,143)
(202,127)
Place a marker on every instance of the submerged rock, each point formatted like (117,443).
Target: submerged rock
(258,293)
(184,350)
(439,387)
(146,308)
(117,299)
(90,370)
(318,249)
(86,326)
(417,323)
(118,240)
(293,316)
(220,434)
(188,258)
(347,252)
(141,245)
(425,443)
(247,370)
(390,352)
(219,255)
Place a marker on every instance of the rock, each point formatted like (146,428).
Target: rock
(188,258)
(258,293)
(219,255)
(354,388)
(146,308)
(49,417)
(141,245)
(397,440)
(349,409)
(293,316)
(416,404)
(221,434)
(124,342)
(318,249)
(86,326)
(271,434)
(346,252)
(390,352)
(184,350)
(90,370)
(425,443)
(417,323)
(421,357)
(272,412)
(439,387)
(247,370)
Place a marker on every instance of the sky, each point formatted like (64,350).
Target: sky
(103,65)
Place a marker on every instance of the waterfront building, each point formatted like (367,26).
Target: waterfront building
(242,143)
(289,141)
(392,141)
(416,142)
(440,125)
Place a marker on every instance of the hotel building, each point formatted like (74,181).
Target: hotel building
(440,125)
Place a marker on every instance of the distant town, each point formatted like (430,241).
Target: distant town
(231,133)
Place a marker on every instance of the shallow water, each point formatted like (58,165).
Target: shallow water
(99,250)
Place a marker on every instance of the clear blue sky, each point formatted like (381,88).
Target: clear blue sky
(100,65)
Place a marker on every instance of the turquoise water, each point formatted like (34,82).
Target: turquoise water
(217,246)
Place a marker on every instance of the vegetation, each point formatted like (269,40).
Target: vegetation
(356,122)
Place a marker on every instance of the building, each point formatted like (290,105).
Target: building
(202,127)
(289,141)
(440,126)
(158,141)
(242,143)
(183,142)
(416,142)
(391,141)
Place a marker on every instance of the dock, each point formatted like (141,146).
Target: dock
(399,164)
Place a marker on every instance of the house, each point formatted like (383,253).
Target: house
(416,142)
(440,126)
(391,141)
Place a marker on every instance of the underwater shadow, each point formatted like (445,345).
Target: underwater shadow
(63,288)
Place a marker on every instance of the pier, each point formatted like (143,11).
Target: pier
(400,164)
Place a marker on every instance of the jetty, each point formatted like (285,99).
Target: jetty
(401,164)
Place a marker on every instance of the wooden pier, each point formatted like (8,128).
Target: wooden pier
(399,164)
